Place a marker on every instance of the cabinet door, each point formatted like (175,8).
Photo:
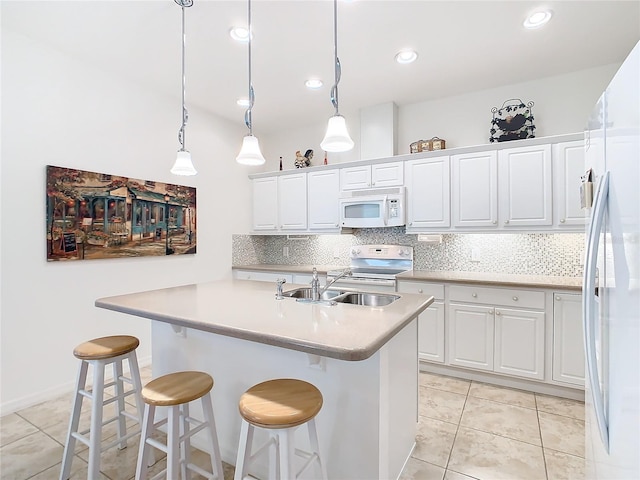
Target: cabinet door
(519,343)
(568,349)
(525,189)
(474,190)
(292,201)
(387,174)
(323,194)
(431,333)
(470,332)
(265,204)
(428,193)
(353,178)
(568,167)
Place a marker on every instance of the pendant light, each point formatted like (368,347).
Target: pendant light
(250,152)
(337,138)
(183,165)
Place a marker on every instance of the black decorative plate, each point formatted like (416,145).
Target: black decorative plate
(512,121)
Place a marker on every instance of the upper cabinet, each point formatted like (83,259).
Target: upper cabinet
(280,203)
(523,186)
(474,189)
(568,167)
(377,175)
(323,193)
(427,182)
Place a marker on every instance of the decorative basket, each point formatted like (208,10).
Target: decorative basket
(512,121)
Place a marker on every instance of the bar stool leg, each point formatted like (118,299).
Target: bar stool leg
(244,450)
(214,451)
(95,434)
(274,458)
(185,446)
(286,447)
(70,444)
(313,441)
(137,384)
(121,425)
(144,449)
(173,442)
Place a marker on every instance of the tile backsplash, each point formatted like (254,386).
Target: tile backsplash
(528,254)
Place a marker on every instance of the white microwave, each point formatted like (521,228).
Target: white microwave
(379,207)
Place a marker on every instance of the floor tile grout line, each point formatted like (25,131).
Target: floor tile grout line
(544,456)
(457,429)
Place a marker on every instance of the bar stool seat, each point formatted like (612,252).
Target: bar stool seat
(176,391)
(99,353)
(280,406)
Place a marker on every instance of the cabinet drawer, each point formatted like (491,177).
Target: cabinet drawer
(433,289)
(497,296)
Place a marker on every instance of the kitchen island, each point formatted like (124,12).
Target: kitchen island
(363,359)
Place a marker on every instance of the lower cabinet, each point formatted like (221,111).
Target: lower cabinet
(519,343)
(430,322)
(568,346)
(470,331)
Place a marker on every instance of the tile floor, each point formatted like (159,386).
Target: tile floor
(467,430)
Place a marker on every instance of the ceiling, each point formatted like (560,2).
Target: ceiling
(463,46)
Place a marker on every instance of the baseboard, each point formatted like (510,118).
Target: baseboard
(35,398)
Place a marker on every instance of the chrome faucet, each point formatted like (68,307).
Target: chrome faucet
(317,291)
(279,283)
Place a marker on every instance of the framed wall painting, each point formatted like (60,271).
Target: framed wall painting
(96,215)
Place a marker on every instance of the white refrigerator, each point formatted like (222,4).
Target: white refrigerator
(611,289)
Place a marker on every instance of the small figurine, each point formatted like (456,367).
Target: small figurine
(303,160)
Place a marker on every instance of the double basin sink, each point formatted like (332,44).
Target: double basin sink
(334,296)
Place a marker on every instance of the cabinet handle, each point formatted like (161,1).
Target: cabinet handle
(562,220)
(419,290)
(497,312)
(410,223)
(515,299)
(558,299)
(506,222)
(474,295)
(337,225)
(494,222)
(491,311)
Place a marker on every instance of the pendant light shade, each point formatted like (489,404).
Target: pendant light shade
(250,152)
(337,138)
(183,164)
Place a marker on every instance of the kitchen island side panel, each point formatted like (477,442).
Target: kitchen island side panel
(368,421)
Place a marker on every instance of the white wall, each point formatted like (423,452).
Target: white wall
(561,105)
(58,112)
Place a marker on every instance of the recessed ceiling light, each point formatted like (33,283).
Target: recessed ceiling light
(537,19)
(406,56)
(313,83)
(240,34)
(243,102)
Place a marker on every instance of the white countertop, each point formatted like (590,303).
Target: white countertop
(248,310)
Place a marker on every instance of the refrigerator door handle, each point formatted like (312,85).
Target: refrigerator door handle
(589,307)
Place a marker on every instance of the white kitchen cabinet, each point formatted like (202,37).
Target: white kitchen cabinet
(568,168)
(470,331)
(376,175)
(490,334)
(474,189)
(292,202)
(428,194)
(265,204)
(519,343)
(568,347)
(430,322)
(323,193)
(525,188)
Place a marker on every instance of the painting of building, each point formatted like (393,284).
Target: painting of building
(96,215)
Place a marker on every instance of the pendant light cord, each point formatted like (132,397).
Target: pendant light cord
(337,67)
(247,115)
(185,114)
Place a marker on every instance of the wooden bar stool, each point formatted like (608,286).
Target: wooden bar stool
(99,353)
(175,391)
(280,406)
